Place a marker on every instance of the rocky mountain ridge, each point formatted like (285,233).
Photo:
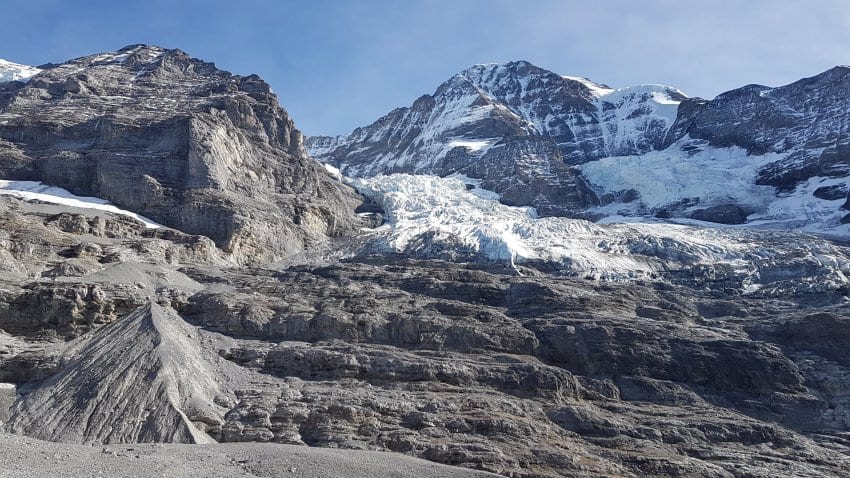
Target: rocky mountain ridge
(177,140)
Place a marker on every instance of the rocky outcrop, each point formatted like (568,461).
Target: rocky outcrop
(723,214)
(7,398)
(608,376)
(178,140)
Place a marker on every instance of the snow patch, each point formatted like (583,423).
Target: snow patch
(801,210)
(16,72)
(36,191)
(333,170)
(714,175)
(472,145)
(664,98)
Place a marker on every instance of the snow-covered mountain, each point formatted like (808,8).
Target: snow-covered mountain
(423,316)
(516,126)
(773,157)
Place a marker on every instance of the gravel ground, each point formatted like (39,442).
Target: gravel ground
(25,457)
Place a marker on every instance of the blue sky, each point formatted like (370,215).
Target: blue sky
(340,64)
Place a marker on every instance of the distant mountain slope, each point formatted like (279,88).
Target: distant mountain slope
(807,122)
(776,157)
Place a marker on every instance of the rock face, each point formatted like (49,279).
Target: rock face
(568,146)
(531,376)
(7,398)
(724,214)
(177,140)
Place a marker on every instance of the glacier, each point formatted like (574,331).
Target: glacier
(450,218)
(712,176)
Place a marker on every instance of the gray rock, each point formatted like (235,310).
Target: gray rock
(161,373)
(831,193)
(723,214)
(177,140)
(7,398)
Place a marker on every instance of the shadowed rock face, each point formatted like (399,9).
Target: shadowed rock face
(178,140)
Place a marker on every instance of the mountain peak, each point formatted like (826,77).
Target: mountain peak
(168,126)
(836,71)
(140,46)
(510,64)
